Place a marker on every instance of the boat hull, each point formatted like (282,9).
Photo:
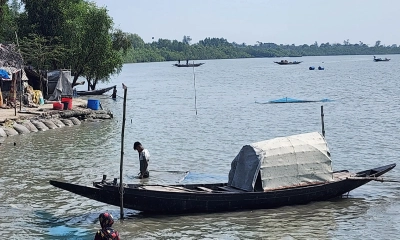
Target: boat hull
(381,60)
(287,63)
(151,201)
(188,65)
(95,92)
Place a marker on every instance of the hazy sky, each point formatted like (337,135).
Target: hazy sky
(249,21)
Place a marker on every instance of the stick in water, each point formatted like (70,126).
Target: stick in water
(194,84)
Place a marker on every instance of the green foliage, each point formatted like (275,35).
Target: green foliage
(72,34)
(220,48)
(40,51)
(44,17)
(120,40)
(8,24)
(95,50)
(186,39)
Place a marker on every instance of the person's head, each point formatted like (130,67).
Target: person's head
(106,220)
(138,146)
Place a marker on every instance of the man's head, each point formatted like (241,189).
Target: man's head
(137,146)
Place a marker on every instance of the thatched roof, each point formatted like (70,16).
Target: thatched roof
(10,57)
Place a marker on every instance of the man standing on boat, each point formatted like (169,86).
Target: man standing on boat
(144,157)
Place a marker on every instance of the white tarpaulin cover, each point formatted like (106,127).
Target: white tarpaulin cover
(282,162)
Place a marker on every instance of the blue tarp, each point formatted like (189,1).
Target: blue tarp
(292,100)
(4,74)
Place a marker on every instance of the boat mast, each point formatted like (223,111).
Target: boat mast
(121,186)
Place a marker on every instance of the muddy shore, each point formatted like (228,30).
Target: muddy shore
(45,117)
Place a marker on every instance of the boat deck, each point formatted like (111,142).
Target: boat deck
(342,175)
(337,176)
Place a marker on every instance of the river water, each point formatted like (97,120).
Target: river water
(362,130)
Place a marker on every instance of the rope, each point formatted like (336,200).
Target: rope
(379,179)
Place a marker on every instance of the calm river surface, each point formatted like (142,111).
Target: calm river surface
(362,130)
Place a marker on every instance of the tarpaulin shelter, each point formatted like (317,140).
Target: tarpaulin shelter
(282,162)
(63,86)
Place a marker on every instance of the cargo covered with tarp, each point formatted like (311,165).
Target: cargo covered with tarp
(281,163)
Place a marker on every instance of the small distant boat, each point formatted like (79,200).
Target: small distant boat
(321,68)
(179,64)
(95,92)
(285,62)
(311,68)
(381,60)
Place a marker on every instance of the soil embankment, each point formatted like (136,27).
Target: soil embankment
(45,118)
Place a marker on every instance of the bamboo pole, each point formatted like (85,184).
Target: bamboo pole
(121,186)
(14,92)
(21,89)
(194,84)
(322,121)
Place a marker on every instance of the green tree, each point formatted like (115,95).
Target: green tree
(40,52)
(8,21)
(46,17)
(186,39)
(136,40)
(95,48)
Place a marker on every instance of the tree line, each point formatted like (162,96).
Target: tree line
(220,48)
(78,35)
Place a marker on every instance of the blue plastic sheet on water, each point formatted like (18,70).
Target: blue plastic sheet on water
(69,232)
(293,100)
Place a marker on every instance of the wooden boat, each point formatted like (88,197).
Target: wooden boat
(188,65)
(257,180)
(381,60)
(285,62)
(95,92)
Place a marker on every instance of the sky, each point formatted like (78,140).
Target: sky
(248,21)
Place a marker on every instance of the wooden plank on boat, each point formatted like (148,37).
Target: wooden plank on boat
(231,189)
(342,175)
(167,188)
(205,189)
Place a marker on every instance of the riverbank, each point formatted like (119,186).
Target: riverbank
(14,122)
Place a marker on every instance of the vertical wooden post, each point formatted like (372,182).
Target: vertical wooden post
(194,84)
(121,186)
(14,92)
(21,89)
(322,121)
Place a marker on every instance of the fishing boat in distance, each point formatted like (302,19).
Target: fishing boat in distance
(381,59)
(286,62)
(268,174)
(187,64)
(95,92)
